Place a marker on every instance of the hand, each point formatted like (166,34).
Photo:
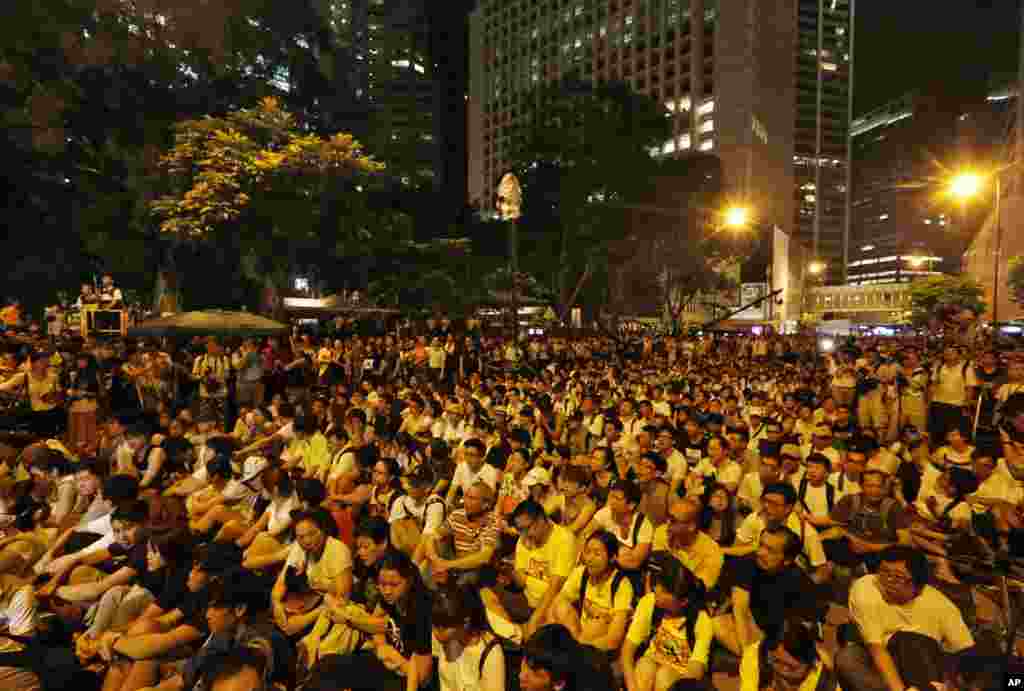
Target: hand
(280,616)
(106,645)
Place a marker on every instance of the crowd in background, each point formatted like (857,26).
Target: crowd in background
(457,512)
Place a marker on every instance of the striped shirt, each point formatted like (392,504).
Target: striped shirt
(472,537)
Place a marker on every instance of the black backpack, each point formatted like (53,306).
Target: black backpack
(616,582)
(830,494)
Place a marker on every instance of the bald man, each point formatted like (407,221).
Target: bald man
(682,537)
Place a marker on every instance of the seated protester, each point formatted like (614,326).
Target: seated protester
(650,469)
(344,627)
(318,565)
(791,469)
(786,661)
(469,656)
(234,621)
(127,457)
(769,471)
(512,490)
(385,490)
(466,541)
(553,661)
(778,502)
(417,514)
(470,470)
(542,490)
(669,639)
(267,540)
(675,461)
(604,473)
(943,511)
(904,628)
(635,533)
(821,442)
(720,519)
(766,588)
(88,537)
(718,467)
(222,502)
(25,546)
(579,508)
(20,610)
(846,479)
(865,523)
(682,537)
(307,452)
(54,481)
(915,465)
(597,598)
(543,558)
(816,496)
(213,446)
(399,658)
(956,451)
(162,577)
(124,562)
(344,472)
(241,667)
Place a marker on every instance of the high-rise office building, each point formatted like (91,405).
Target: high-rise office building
(390,93)
(723,69)
(824,65)
(904,224)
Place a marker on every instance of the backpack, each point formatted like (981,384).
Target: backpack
(887,504)
(657,616)
(830,494)
(616,582)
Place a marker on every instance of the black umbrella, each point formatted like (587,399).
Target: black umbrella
(208,323)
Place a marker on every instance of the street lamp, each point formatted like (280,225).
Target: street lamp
(736,217)
(816,267)
(966,186)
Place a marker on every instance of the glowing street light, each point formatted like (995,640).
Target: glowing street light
(966,185)
(816,267)
(736,217)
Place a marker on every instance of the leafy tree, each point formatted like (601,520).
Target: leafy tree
(255,179)
(939,298)
(583,152)
(1015,279)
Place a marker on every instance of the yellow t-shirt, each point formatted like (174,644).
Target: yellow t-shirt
(750,671)
(553,560)
(671,645)
(316,456)
(324,573)
(600,604)
(704,558)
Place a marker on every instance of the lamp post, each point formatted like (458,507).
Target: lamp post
(509,205)
(966,186)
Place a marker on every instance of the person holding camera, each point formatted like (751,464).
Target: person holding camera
(211,371)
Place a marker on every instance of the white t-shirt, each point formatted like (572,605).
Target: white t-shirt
(430,514)
(465,478)
(644,535)
(930,614)
(459,668)
(753,525)
(677,465)
(729,473)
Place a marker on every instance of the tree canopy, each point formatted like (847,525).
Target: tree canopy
(938,298)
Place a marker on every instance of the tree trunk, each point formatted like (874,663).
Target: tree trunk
(167,294)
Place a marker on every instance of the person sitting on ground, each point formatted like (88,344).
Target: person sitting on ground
(769,471)
(543,558)
(787,661)
(596,600)
(765,589)
(318,565)
(669,639)
(635,533)
(778,502)
(816,496)
(718,467)
(579,509)
(400,657)
(417,514)
(682,537)
(650,470)
(468,539)
(223,501)
(865,523)
(345,627)
(720,518)
(472,469)
(553,661)
(904,628)
(267,540)
(469,655)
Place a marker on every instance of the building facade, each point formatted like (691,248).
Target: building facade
(904,222)
(824,68)
(724,71)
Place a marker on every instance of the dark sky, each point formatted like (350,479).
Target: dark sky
(906,44)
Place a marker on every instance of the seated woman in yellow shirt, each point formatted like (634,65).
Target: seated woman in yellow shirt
(787,661)
(670,637)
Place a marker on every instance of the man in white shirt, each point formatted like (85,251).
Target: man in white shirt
(904,628)
(952,383)
(472,470)
(768,472)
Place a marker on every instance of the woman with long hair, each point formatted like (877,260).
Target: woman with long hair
(40,384)
(720,518)
(670,637)
(400,657)
(83,388)
(469,655)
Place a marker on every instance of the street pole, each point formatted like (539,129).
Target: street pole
(998,230)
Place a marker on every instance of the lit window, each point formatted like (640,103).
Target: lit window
(883,217)
(706,107)
(708,145)
(927,221)
(810,198)
(629,20)
(684,142)
(400,63)
(685,103)
(707,126)
(302,284)
(627,37)
(603,31)
(867,248)
(669,147)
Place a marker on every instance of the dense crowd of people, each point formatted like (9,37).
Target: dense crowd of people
(457,512)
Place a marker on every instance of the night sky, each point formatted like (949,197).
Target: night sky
(907,44)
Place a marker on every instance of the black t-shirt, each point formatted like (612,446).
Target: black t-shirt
(193,608)
(169,585)
(410,634)
(910,480)
(773,597)
(133,557)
